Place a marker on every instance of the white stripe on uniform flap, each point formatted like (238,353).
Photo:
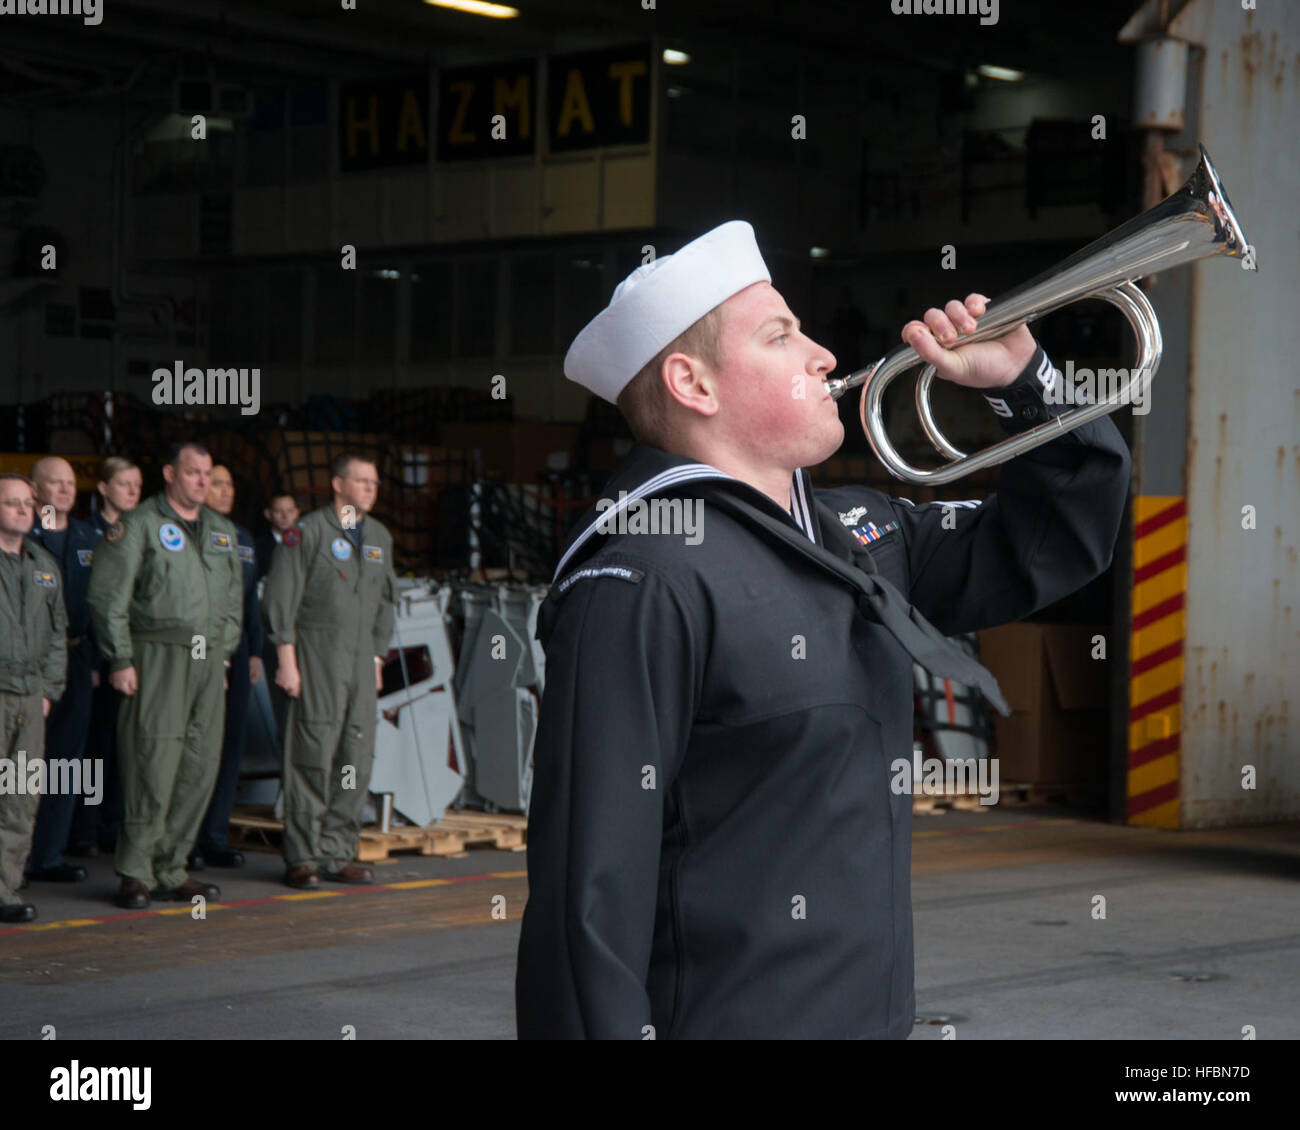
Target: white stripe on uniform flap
(672,477)
(964,504)
(801,503)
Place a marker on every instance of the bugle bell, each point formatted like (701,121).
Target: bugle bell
(1195,222)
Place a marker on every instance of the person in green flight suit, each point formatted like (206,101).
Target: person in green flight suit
(328,607)
(166,602)
(33,670)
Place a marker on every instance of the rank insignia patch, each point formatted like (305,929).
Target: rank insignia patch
(853,515)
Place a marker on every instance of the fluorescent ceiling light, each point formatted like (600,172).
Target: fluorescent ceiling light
(675,58)
(1005,74)
(818,252)
(478,8)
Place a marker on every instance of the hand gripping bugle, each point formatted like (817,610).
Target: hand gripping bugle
(1195,222)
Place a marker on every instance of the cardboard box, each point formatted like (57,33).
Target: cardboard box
(1058,731)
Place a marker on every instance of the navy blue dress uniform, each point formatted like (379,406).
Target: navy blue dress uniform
(213,835)
(263,554)
(760,888)
(94,827)
(68,725)
(264,550)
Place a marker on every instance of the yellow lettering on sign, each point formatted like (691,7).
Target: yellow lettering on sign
(517,97)
(624,74)
(458,134)
(575,105)
(409,123)
(370,125)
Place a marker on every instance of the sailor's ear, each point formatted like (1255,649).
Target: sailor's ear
(691,382)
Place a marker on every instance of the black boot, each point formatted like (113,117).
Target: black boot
(63,873)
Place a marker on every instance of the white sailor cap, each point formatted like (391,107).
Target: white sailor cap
(658,301)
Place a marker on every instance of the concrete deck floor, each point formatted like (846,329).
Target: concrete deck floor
(1201,936)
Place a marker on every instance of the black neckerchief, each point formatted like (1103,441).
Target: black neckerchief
(919,638)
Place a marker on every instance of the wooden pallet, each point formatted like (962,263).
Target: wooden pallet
(503,830)
(449,838)
(375,846)
(940,803)
(260,833)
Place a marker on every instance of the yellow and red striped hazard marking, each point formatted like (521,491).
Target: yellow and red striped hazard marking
(1156,654)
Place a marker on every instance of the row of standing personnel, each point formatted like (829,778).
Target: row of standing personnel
(160,608)
(48,660)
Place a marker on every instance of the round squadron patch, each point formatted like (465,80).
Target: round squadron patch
(341,548)
(291,537)
(115,532)
(171,538)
